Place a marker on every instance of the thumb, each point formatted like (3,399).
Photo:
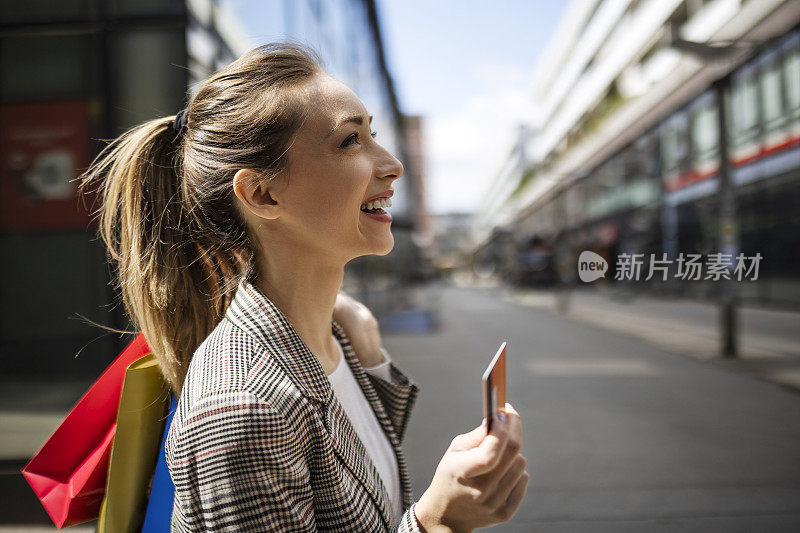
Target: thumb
(470,440)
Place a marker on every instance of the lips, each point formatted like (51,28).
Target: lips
(384,194)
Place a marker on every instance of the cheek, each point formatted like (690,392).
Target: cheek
(332,202)
(331,211)
(351,187)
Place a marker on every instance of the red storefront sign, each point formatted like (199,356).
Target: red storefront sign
(43,148)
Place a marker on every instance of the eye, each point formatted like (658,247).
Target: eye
(354,137)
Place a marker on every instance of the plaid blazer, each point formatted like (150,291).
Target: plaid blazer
(260,442)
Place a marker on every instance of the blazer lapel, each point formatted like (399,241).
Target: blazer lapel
(380,412)
(251,310)
(350,448)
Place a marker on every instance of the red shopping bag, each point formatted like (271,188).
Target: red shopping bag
(69,473)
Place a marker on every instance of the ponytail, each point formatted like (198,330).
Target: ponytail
(148,236)
(167,213)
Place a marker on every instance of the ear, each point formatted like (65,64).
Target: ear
(258,198)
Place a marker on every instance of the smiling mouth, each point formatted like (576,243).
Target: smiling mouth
(376,207)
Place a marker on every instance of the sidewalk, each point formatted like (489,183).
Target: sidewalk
(769,340)
(30,410)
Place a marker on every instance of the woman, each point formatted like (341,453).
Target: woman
(230,225)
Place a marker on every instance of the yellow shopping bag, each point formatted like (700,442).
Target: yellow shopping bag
(134,452)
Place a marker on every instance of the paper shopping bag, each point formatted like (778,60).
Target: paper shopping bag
(68,474)
(134,452)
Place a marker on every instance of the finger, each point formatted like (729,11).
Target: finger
(510,455)
(509,410)
(513,445)
(500,494)
(488,453)
(516,496)
(514,423)
(465,441)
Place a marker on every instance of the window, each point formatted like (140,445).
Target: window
(674,142)
(145,88)
(771,93)
(44,67)
(144,7)
(705,128)
(791,74)
(744,106)
(14,11)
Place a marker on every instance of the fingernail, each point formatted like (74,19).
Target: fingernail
(501,416)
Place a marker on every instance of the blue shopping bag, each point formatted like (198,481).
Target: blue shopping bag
(159,507)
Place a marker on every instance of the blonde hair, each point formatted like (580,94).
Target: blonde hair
(167,213)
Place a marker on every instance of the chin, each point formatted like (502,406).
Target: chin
(384,247)
(387,248)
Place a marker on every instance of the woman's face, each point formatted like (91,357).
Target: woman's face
(335,165)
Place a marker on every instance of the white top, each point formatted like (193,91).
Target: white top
(366,424)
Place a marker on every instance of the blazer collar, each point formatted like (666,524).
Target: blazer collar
(254,313)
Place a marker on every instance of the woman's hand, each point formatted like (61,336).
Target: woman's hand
(361,327)
(480,481)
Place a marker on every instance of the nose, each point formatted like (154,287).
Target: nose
(390,167)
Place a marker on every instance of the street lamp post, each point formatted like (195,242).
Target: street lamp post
(728,229)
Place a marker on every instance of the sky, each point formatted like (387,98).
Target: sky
(466,66)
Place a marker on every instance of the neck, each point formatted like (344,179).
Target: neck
(305,291)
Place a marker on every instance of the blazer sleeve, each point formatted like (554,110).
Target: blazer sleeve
(237,466)
(397,395)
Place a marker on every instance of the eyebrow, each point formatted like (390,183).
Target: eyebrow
(358,119)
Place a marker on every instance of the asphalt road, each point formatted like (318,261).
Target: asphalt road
(620,435)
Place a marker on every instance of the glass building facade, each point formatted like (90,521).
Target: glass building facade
(659,194)
(75,73)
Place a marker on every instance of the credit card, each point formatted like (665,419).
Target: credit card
(494,387)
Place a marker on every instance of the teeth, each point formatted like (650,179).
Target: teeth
(381,202)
